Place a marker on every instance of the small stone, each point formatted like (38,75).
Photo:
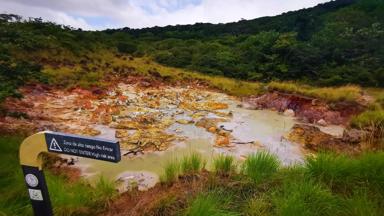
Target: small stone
(322,122)
(212,129)
(184,121)
(222,141)
(289,112)
(354,135)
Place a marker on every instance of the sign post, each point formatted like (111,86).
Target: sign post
(31,161)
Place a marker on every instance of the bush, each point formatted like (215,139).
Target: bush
(260,166)
(126,47)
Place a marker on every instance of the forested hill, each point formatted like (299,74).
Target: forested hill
(304,22)
(339,42)
(334,43)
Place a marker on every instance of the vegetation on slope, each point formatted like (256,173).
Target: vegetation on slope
(326,184)
(68,198)
(335,43)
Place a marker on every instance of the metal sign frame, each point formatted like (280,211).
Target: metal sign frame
(31,150)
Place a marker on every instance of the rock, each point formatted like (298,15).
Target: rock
(212,129)
(120,133)
(222,141)
(184,121)
(354,135)
(289,112)
(215,105)
(322,122)
(224,133)
(90,132)
(129,125)
(208,122)
(312,138)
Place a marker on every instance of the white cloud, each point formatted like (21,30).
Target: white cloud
(146,13)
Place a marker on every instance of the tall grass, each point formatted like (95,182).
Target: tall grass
(192,164)
(304,197)
(211,204)
(224,165)
(370,118)
(331,94)
(171,171)
(345,174)
(260,166)
(372,121)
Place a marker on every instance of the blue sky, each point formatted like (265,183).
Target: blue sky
(102,14)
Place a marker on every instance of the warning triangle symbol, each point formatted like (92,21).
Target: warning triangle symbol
(54,146)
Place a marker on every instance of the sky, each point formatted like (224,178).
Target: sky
(102,14)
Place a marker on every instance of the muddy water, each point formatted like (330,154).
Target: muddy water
(252,131)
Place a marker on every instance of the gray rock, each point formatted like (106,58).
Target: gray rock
(354,135)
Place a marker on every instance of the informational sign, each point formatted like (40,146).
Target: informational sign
(81,146)
(31,163)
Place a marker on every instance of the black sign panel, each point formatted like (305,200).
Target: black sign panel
(81,146)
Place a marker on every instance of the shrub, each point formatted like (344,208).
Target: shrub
(224,165)
(126,47)
(260,166)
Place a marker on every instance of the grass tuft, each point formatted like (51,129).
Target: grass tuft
(224,165)
(344,174)
(211,204)
(260,166)
(370,118)
(171,171)
(192,164)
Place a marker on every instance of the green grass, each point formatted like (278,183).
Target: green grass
(192,164)
(171,171)
(330,94)
(342,173)
(224,165)
(304,197)
(211,204)
(370,118)
(327,184)
(77,198)
(260,166)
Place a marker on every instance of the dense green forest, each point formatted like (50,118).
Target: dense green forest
(335,43)
(331,44)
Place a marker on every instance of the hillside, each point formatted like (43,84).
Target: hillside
(335,43)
